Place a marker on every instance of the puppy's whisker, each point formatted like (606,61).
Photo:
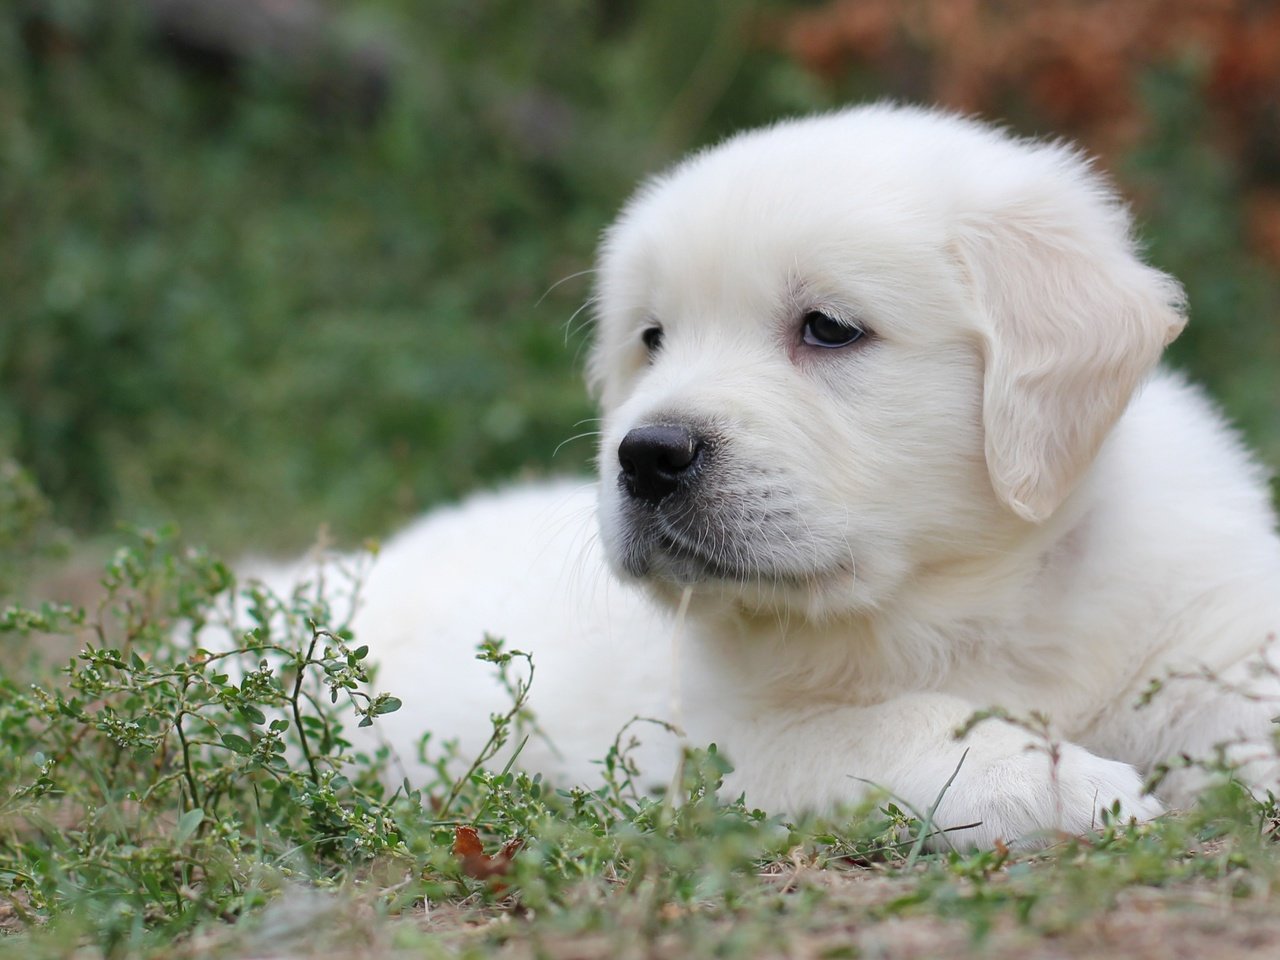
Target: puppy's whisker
(576,436)
(573,276)
(569,330)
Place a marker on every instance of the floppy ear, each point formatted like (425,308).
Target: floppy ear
(1072,323)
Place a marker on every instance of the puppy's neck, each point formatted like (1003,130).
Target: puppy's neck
(961,609)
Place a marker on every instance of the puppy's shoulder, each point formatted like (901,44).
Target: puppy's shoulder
(1177,453)
(1182,528)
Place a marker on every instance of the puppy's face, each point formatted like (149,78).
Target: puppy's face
(790,414)
(837,352)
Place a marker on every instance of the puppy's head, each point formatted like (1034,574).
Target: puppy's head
(837,351)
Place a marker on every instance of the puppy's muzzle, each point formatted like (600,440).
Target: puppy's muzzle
(657,460)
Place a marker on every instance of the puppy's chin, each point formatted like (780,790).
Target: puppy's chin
(654,554)
(820,599)
(640,551)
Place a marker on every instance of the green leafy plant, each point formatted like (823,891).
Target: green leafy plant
(194,773)
(155,785)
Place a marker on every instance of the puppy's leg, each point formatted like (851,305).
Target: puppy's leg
(820,757)
(1218,723)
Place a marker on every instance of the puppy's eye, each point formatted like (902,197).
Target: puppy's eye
(820,330)
(652,338)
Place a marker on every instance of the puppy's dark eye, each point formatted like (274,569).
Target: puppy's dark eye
(652,338)
(820,330)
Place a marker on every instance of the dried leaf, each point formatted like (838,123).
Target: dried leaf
(478,865)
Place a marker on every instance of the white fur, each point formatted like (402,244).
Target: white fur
(980,505)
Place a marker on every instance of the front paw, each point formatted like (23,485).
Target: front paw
(1030,799)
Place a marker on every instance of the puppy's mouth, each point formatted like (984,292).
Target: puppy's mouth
(684,520)
(684,563)
(656,549)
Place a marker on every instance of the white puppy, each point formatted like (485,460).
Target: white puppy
(879,400)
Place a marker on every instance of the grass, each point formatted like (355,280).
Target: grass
(186,786)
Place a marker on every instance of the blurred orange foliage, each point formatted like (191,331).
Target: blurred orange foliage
(1073,63)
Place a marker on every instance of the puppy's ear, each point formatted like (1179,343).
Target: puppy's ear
(1072,322)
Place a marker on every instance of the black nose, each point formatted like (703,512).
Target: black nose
(655,459)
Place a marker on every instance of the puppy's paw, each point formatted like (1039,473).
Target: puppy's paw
(1089,785)
(1029,800)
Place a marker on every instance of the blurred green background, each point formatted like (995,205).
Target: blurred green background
(312,265)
